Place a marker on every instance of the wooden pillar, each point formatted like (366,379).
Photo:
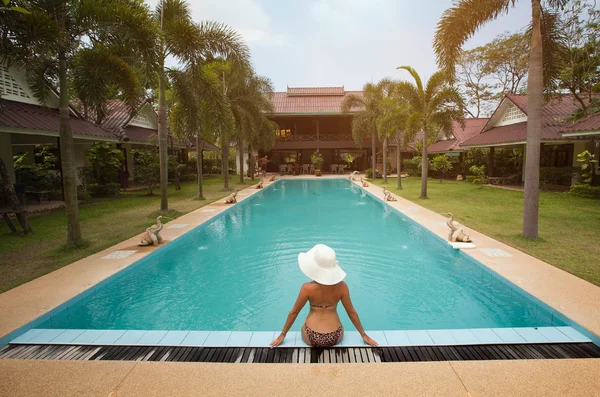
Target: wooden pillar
(491,161)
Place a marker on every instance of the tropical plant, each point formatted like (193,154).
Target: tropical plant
(394,111)
(249,96)
(413,165)
(147,168)
(479,173)
(441,163)
(431,108)
(587,167)
(46,42)
(193,45)
(7,7)
(105,162)
(317,159)
(41,174)
(365,110)
(460,22)
(199,108)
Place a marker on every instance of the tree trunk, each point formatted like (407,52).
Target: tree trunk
(225,164)
(199,145)
(162,141)
(491,155)
(385,160)
(251,165)
(424,165)
(13,201)
(67,158)
(399,163)
(241,156)
(374,155)
(534,126)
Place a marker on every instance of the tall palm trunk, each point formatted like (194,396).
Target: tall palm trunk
(67,157)
(162,141)
(534,126)
(385,159)
(225,164)
(199,145)
(424,165)
(398,161)
(13,202)
(241,157)
(251,165)
(374,155)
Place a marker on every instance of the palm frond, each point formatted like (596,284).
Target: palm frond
(459,23)
(415,76)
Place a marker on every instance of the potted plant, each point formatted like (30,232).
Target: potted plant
(317,160)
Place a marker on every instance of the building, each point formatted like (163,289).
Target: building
(507,128)
(26,124)
(311,119)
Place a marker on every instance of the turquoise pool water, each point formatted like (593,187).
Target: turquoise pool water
(240,271)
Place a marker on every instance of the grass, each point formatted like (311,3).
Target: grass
(569,226)
(104,222)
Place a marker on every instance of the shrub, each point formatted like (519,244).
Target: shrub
(557,175)
(147,168)
(83,196)
(440,163)
(412,166)
(108,190)
(187,177)
(587,167)
(42,174)
(585,191)
(479,172)
(105,162)
(369,173)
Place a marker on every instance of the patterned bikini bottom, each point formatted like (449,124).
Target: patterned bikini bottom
(318,339)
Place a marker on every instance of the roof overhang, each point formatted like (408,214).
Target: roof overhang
(575,134)
(311,114)
(25,131)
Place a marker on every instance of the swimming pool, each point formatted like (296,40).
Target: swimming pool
(239,272)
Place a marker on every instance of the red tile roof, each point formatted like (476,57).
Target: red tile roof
(472,127)
(117,114)
(554,112)
(311,100)
(33,117)
(588,124)
(139,134)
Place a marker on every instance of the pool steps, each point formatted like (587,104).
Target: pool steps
(445,337)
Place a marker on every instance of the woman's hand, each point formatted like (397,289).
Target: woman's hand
(369,341)
(278,341)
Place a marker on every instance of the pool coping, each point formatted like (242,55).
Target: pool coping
(46,287)
(437,337)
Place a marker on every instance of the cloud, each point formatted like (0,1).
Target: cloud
(248,17)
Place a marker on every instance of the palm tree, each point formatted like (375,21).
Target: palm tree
(394,113)
(458,24)
(366,110)
(191,44)
(250,100)
(45,42)
(199,107)
(431,107)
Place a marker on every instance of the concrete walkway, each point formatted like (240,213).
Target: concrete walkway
(543,378)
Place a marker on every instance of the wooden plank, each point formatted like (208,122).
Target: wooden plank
(6,350)
(377,355)
(246,354)
(24,351)
(351,354)
(295,356)
(83,351)
(408,355)
(446,353)
(157,353)
(500,353)
(251,356)
(592,349)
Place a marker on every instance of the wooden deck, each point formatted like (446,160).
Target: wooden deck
(301,355)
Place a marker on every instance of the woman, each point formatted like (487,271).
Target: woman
(322,327)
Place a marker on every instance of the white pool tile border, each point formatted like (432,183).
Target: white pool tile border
(438,337)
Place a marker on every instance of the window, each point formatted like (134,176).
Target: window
(283,132)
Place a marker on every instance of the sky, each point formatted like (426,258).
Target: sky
(307,43)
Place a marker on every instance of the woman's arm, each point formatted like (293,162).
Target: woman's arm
(300,302)
(354,315)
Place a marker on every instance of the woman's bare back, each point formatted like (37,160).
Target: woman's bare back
(323,300)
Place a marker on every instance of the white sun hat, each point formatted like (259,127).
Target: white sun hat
(320,265)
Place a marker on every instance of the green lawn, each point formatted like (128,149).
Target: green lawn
(569,227)
(104,222)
